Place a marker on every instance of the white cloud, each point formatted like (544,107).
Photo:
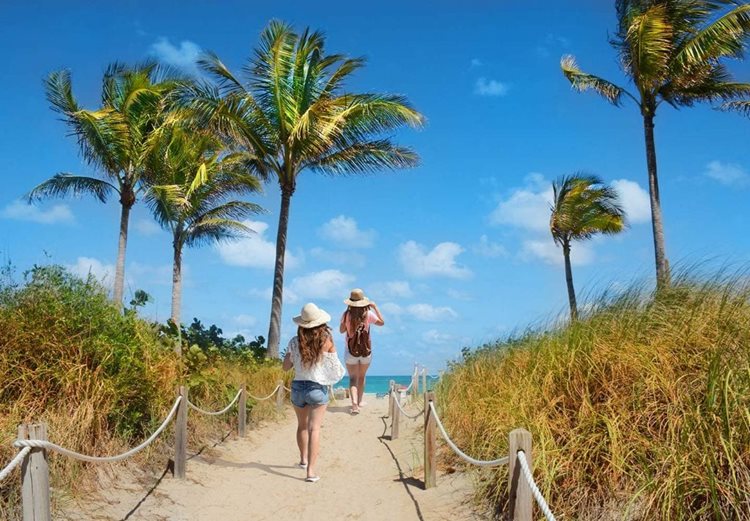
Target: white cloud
(105,273)
(634,200)
(476,62)
(145,226)
(485,87)
(183,56)
(729,174)
(339,257)
(489,249)
(158,275)
(552,42)
(322,285)
(422,312)
(435,337)
(289,296)
(344,231)
(458,295)
(392,289)
(546,250)
(254,251)
(528,207)
(20,211)
(440,261)
(244,321)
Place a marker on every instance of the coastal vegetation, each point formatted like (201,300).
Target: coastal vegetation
(638,410)
(103,380)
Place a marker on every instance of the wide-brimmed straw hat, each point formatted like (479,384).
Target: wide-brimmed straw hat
(311,316)
(357,299)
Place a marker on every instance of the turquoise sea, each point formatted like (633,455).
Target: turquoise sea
(377,384)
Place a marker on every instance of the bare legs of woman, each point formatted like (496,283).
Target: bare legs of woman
(309,420)
(357,384)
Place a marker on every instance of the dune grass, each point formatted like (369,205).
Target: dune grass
(102,380)
(641,410)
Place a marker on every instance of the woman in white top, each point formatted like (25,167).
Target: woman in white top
(309,353)
(355,324)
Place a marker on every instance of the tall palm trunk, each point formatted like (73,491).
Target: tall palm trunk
(274,328)
(569,282)
(122,243)
(177,288)
(662,265)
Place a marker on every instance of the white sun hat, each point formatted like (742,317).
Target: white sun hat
(357,299)
(311,316)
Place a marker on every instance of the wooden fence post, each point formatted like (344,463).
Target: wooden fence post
(35,476)
(391,392)
(180,435)
(414,385)
(396,417)
(280,396)
(520,492)
(430,457)
(242,412)
(424,379)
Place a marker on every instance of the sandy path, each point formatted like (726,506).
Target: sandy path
(363,477)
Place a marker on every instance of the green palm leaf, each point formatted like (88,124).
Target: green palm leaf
(63,185)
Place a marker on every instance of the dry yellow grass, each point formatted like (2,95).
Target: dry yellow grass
(639,411)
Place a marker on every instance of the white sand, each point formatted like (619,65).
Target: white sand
(256,478)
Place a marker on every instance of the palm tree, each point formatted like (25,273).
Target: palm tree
(582,207)
(292,112)
(114,139)
(196,196)
(741,106)
(671,50)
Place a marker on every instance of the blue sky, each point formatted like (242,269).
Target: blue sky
(456,251)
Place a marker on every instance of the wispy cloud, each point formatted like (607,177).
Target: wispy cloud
(345,232)
(476,62)
(20,211)
(489,249)
(634,200)
(527,207)
(440,261)
(489,87)
(391,289)
(145,226)
(728,174)
(422,312)
(552,42)
(254,251)
(546,250)
(183,56)
(322,285)
(85,266)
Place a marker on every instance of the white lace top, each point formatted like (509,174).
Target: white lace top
(319,372)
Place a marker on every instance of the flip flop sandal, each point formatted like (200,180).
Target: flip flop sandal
(355,411)
(302,465)
(312,479)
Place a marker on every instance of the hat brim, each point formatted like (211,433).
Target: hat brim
(323,318)
(357,303)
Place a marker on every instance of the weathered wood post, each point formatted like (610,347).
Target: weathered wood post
(35,476)
(424,379)
(414,384)
(242,412)
(396,417)
(280,396)
(391,392)
(180,435)
(430,456)
(520,492)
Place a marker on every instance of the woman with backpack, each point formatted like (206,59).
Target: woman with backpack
(355,324)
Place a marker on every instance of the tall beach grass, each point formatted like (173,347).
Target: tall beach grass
(641,410)
(102,380)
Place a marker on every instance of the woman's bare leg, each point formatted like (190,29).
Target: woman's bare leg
(313,427)
(353,370)
(302,432)
(361,382)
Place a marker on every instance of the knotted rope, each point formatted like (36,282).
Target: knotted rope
(216,413)
(398,403)
(534,489)
(267,397)
(14,462)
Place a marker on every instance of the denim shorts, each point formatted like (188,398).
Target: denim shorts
(305,392)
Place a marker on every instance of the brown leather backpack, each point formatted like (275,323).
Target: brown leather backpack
(359,344)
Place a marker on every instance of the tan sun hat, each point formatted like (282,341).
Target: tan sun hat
(311,316)
(357,299)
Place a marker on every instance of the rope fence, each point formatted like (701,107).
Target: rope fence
(35,448)
(523,490)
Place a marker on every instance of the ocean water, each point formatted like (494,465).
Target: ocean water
(377,384)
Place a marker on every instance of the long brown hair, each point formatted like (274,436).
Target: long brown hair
(357,316)
(311,343)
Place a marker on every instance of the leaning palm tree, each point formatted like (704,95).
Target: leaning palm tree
(671,50)
(196,196)
(114,139)
(293,113)
(582,207)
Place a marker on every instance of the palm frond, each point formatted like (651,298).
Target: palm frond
(582,81)
(649,37)
(362,158)
(743,107)
(63,184)
(724,37)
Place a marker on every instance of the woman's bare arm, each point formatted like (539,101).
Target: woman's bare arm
(379,321)
(287,361)
(342,325)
